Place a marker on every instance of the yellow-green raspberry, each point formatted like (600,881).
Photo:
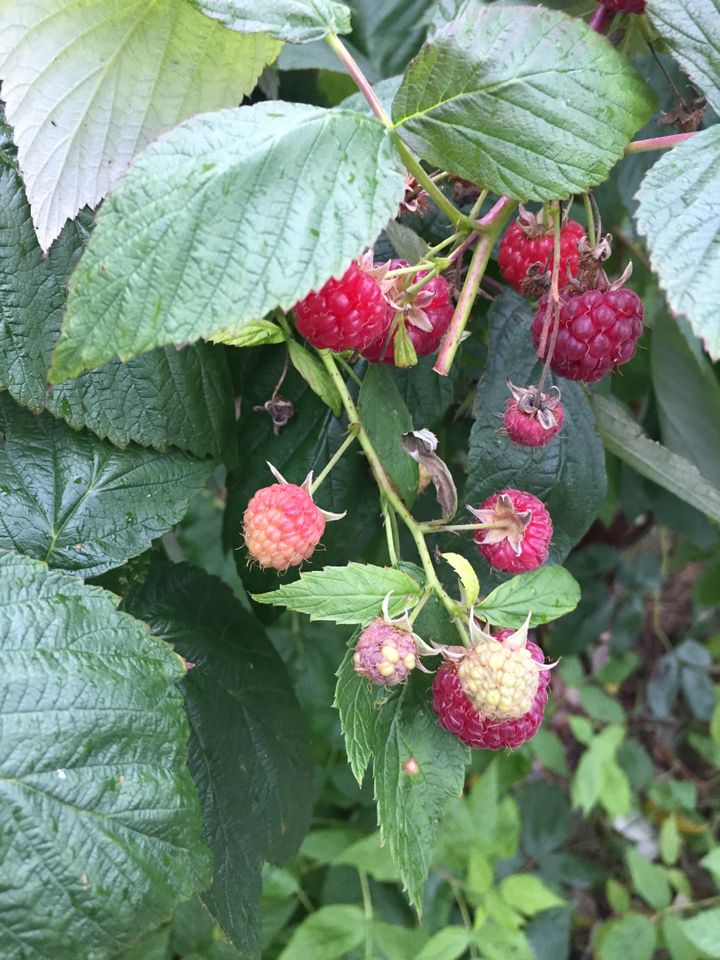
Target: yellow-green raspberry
(499,679)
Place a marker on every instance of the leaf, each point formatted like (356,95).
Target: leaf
(597,770)
(498,96)
(545,818)
(390,32)
(711,862)
(406,243)
(648,879)
(254,334)
(426,395)
(600,706)
(166,398)
(467,576)
(88,86)
(625,438)
(99,824)
(691,28)
(409,805)
(386,418)
(327,934)
(679,215)
(357,701)
(78,502)
(316,377)
(249,747)
(631,938)
(447,944)
(294,21)
(211,246)
(371,856)
(703,932)
(351,594)
(528,895)
(568,475)
(663,686)
(549,592)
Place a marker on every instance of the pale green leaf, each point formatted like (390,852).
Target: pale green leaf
(691,28)
(670,840)
(548,592)
(371,856)
(89,83)
(466,574)
(631,938)
(212,250)
(703,932)
(316,376)
(528,894)
(99,820)
(351,594)
(255,334)
(295,21)
(499,96)
(327,934)
(679,215)
(711,862)
(648,879)
(597,766)
(447,944)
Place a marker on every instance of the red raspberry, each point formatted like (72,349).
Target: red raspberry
(457,714)
(345,314)
(532,419)
(432,308)
(598,331)
(526,243)
(624,6)
(282,526)
(385,653)
(521,534)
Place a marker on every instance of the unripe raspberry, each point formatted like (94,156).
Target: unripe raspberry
(528,243)
(532,418)
(282,525)
(624,6)
(499,679)
(520,537)
(598,331)
(346,314)
(385,652)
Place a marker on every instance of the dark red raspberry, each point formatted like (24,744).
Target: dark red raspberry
(598,331)
(531,418)
(521,531)
(345,314)
(624,6)
(432,307)
(523,245)
(456,713)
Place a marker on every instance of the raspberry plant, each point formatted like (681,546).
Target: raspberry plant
(334,285)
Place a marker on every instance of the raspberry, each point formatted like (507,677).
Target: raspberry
(426,318)
(624,6)
(385,652)
(527,242)
(521,532)
(456,712)
(531,418)
(345,314)
(282,525)
(598,331)
(499,675)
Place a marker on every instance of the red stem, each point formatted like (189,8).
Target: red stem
(601,19)
(658,143)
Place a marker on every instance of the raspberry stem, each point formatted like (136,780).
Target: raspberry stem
(456,217)
(658,143)
(349,439)
(362,82)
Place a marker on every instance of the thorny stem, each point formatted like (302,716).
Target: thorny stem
(388,491)
(350,438)
(500,214)
(658,143)
(368,911)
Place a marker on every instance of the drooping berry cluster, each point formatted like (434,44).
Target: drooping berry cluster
(527,246)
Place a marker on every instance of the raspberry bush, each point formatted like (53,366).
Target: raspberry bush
(359,467)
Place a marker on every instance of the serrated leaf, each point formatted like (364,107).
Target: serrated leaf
(468,577)
(548,592)
(294,21)
(166,398)
(357,702)
(409,805)
(211,247)
(625,438)
(99,824)
(528,895)
(89,84)
(316,376)
(78,502)
(255,334)
(351,594)
(598,770)
(568,474)
(327,934)
(679,215)
(249,747)
(691,28)
(498,96)
(386,418)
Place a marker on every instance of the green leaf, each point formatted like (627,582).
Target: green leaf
(703,932)
(316,376)
(528,895)
(447,944)
(254,334)
(648,879)
(249,748)
(631,938)
(598,775)
(357,701)
(166,398)
(568,474)
(679,215)
(212,247)
(625,438)
(711,863)
(78,502)
(670,840)
(675,940)
(427,396)
(327,934)
(600,706)
(351,594)
(406,243)
(549,592)
(498,96)
(99,820)
(294,21)
(88,86)
(371,856)
(691,28)
(467,576)
(386,418)
(409,805)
